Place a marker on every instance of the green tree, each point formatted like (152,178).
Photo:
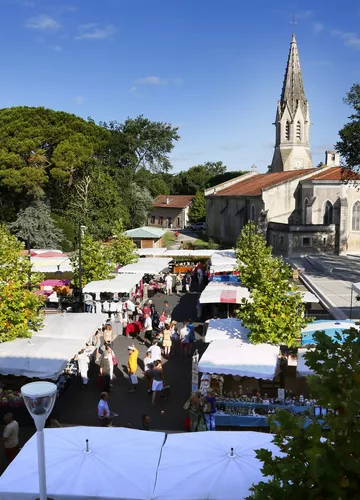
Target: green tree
(123,250)
(140,143)
(275,315)
(140,203)
(95,263)
(349,144)
(35,224)
(197,211)
(226,176)
(319,464)
(39,147)
(19,306)
(195,179)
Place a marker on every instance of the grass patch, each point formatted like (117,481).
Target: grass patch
(168,238)
(201,244)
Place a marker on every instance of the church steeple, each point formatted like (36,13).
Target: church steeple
(293,93)
(292,147)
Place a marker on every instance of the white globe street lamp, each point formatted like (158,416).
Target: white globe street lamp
(39,399)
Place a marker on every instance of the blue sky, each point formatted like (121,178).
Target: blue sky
(213,68)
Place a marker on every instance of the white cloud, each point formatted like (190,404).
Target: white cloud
(350,39)
(43,23)
(57,48)
(157,80)
(318,28)
(79,100)
(95,31)
(133,89)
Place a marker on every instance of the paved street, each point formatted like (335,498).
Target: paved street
(78,406)
(334,277)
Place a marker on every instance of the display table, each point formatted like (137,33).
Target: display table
(240,414)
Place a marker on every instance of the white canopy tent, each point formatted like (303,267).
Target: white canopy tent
(72,474)
(189,253)
(356,288)
(50,264)
(240,358)
(224,292)
(46,354)
(302,369)
(216,465)
(223,261)
(223,329)
(123,283)
(147,266)
(150,252)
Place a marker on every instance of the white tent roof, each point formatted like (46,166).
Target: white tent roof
(222,329)
(151,251)
(50,264)
(200,466)
(224,292)
(46,354)
(123,283)
(72,474)
(189,253)
(147,266)
(223,261)
(356,287)
(237,358)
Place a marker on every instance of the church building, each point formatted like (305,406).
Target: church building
(300,209)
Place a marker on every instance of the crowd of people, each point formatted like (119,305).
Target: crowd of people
(202,410)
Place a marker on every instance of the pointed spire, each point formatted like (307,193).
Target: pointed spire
(293,88)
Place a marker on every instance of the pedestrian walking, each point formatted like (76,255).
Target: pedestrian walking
(167,311)
(191,327)
(167,342)
(187,282)
(108,335)
(132,367)
(209,409)
(106,368)
(169,284)
(194,410)
(158,380)
(11,437)
(83,362)
(147,328)
(148,366)
(184,340)
(155,351)
(103,411)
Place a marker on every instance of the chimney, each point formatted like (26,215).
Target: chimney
(167,200)
(332,159)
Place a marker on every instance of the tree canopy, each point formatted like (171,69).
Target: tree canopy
(322,460)
(197,211)
(276,313)
(349,143)
(19,306)
(95,261)
(122,250)
(195,178)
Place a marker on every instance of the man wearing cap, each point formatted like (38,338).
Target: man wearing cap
(132,367)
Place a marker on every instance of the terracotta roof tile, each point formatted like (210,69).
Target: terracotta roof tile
(174,201)
(255,184)
(335,174)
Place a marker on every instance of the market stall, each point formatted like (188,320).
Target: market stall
(72,473)
(217,465)
(223,261)
(123,284)
(224,293)
(147,266)
(223,329)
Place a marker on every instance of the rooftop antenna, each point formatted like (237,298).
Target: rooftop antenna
(293,22)
(254,168)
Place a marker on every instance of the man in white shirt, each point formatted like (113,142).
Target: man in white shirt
(185,341)
(147,328)
(155,352)
(103,410)
(11,437)
(169,284)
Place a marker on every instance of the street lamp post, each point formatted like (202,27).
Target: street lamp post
(39,398)
(80,267)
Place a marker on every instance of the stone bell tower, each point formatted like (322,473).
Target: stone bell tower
(292,143)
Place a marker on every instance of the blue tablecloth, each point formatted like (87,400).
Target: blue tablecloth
(240,421)
(292,408)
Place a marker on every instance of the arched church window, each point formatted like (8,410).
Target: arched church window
(287,131)
(328,213)
(253,213)
(298,131)
(356,216)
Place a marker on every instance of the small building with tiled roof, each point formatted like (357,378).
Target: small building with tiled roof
(171,211)
(147,237)
(299,208)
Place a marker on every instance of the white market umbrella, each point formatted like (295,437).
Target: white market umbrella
(210,465)
(107,472)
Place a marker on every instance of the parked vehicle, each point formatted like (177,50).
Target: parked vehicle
(198,226)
